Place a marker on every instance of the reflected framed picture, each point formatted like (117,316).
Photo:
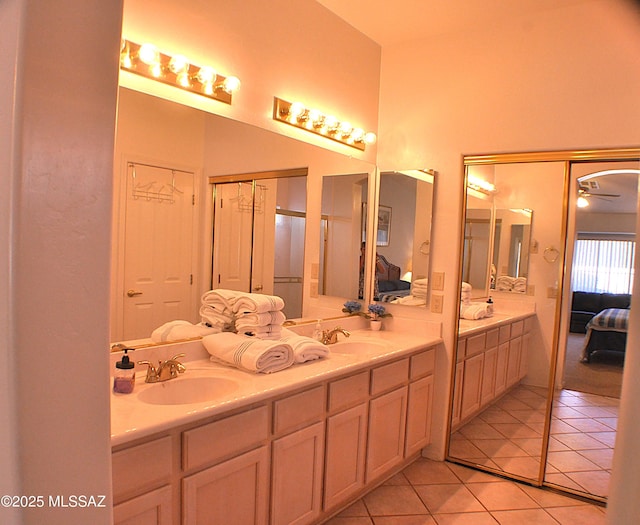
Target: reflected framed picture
(384,225)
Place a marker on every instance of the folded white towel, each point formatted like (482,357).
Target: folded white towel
(304,348)
(178,330)
(216,319)
(264,319)
(411,300)
(249,353)
(466,287)
(474,311)
(219,299)
(248,303)
(271,331)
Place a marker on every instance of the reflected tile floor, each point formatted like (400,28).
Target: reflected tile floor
(440,493)
(507,436)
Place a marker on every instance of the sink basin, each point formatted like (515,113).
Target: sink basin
(357,347)
(186,390)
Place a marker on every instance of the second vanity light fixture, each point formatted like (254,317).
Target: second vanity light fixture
(296,114)
(481,185)
(177,71)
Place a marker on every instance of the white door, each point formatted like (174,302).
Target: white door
(158,248)
(233,227)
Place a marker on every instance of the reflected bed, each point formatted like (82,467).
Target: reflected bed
(606,332)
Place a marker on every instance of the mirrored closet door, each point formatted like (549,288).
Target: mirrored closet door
(522,406)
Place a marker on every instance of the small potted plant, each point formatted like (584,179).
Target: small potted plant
(352,308)
(375,315)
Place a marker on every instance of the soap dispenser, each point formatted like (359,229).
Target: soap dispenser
(124,378)
(489,307)
(317,331)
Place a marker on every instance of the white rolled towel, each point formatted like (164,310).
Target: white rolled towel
(466,287)
(219,299)
(304,348)
(249,303)
(216,319)
(249,353)
(178,330)
(474,311)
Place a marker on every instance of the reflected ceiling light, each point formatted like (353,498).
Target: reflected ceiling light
(481,185)
(298,115)
(177,71)
(610,172)
(582,202)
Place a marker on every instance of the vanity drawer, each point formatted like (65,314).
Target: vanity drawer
(493,337)
(516,328)
(225,437)
(299,409)
(389,376)
(141,468)
(505,333)
(475,344)
(348,392)
(422,364)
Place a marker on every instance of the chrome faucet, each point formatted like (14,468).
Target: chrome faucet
(166,369)
(330,337)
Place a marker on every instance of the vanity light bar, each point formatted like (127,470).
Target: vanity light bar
(296,114)
(480,185)
(177,71)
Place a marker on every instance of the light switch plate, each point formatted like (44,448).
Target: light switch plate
(437,302)
(314,290)
(437,281)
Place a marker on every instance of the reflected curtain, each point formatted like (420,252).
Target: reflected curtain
(603,266)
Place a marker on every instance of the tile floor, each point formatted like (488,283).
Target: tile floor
(507,436)
(441,493)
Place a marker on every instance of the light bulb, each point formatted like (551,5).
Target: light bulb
(206,75)
(183,79)
(582,202)
(357,135)
(330,122)
(125,60)
(345,129)
(296,110)
(231,84)
(178,64)
(316,118)
(149,54)
(156,69)
(370,138)
(208,88)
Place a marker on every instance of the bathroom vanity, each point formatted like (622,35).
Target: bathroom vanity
(292,447)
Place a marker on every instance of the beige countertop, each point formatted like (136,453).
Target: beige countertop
(133,418)
(468,327)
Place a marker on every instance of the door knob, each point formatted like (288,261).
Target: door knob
(131,293)
(257,288)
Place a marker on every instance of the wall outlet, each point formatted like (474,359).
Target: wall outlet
(437,302)
(437,281)
(531,289)
(552,292)
(315,270)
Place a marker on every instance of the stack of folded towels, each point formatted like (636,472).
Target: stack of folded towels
(259,315)
(419,288)
(520,285)
(180,330)
(469,310)
(504,283)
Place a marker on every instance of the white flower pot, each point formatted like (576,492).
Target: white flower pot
(375,324)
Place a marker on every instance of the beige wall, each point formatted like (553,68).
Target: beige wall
(567,78)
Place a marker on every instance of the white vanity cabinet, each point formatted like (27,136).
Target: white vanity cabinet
(489,362)
(293,459)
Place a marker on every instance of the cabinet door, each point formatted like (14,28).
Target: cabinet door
(457,393)
(471,385)
(296,478)
(513,363)
(501,368)
(387,422)
(235,491)
(488,390)
(419,415)
(524,356)
(346,446)
(152,508)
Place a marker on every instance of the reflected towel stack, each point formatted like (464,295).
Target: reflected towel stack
(505,283)
(259,315)
(520,285)
(419,288)
(216,309)
(465,293)
(474,311)
(249,353)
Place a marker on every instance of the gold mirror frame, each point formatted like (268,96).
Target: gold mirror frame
(566,156)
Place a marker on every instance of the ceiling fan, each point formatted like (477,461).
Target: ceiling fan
(584,193)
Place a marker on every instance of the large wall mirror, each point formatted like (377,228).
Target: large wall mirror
(526,402)
(169,157)
(403,236)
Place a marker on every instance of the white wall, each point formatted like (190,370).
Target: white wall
(567,78)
